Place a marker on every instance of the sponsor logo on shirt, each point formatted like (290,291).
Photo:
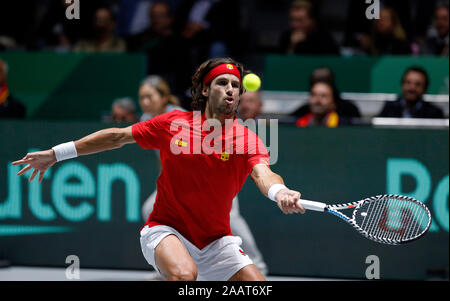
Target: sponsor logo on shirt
(180,142)
(225,156)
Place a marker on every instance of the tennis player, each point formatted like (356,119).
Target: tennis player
(155,98)
(187,236)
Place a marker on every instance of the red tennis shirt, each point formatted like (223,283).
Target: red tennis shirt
(203,169)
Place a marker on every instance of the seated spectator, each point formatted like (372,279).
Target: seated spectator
(209,31)
(104,38)
(10,107)
(52,30)
(388,35)
(161,26)
(411,104)
(155,97)
(250,105)
(132,16)
(411,15)
(305,35)
(322,107)
(166,51)
(344,108)
(436,42)
(124,110)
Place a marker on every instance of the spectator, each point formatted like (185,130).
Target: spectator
(250,106)
(132,16)
(53,30)
(305,35)
(155,97)
(344,108)
(10,107)
(322,107)
(436,42)
(104,38)
(209,30)
(166,51)
(388,35)
(124,110)
(161,26)
(411,104)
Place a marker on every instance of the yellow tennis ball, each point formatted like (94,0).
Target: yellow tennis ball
(251,82)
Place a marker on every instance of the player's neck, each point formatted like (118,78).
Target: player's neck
(211,114)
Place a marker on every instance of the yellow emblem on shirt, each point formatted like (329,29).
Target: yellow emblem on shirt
(225,156)
(180,142)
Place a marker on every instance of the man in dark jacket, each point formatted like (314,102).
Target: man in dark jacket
(305,35)
(411,104)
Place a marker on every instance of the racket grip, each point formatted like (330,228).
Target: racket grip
(311,205)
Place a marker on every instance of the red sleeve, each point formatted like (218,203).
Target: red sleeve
(149,134)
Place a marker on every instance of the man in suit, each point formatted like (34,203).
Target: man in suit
(411,104)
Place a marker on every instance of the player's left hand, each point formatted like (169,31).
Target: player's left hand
(287,201)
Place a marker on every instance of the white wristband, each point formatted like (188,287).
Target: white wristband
(273,190)
(65,151)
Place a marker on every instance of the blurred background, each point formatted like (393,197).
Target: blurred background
(360,91)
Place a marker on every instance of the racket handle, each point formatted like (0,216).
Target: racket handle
(311,205)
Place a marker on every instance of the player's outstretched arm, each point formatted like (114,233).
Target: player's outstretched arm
(99,141)
(272,186)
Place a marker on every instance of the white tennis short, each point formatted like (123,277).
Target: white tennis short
(218,261)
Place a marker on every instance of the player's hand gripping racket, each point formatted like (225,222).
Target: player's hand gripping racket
(389,219)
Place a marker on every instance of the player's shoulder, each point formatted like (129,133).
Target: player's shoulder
(175,114)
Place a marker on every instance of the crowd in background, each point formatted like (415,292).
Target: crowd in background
(217,27)
(177,35)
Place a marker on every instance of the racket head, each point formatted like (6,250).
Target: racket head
(392,219)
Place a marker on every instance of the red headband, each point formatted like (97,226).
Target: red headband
(219,70)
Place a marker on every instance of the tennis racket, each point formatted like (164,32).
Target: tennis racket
(388,219)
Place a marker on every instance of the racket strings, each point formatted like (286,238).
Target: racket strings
(392,219)
(373,215)
(418,227)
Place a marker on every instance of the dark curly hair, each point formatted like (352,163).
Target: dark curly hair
(198,100)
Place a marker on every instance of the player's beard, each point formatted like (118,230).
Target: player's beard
(228,110)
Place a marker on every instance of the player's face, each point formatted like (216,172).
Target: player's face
(321,99)
(223,95)
(151,101)
(413,86)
